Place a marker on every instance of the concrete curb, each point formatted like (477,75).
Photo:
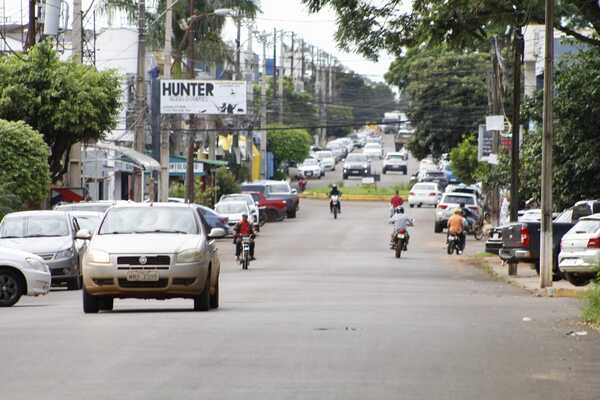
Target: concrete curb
(487,265)
(348,197)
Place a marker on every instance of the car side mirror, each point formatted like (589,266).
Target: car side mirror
(216,233)
(83,234)
(294,191)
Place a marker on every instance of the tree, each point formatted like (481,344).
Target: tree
(341,116)
(24,174)
(66,102)
(447,96)
(289,144)
(368,100)
(463,160)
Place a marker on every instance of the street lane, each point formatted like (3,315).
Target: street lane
(326,312)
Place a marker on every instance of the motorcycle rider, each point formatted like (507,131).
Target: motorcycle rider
(456,226)
(400,221)
(396,201)
(335,192)
(241,229)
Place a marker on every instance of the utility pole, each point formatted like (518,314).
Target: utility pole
(282,69)
(546,259)
(74,167)
(274,63)
(250,93)
(263,113)
(189,170)
(31,28)
(140,100)
(292,64)
(516,124)
(302,64)
(164,133)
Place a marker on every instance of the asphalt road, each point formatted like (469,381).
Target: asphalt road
(390,179)
(326,312)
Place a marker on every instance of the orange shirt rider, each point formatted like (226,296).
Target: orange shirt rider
(456,223)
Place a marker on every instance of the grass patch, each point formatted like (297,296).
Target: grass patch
(591,305)
(365,190)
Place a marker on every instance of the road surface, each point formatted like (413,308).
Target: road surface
(326,312)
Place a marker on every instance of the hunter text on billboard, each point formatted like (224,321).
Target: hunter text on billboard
(202,97)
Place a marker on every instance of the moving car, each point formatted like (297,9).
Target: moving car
(339,151)
(311,168)
(427,194)
(234,210)
(373,151)
(22,273)
(579,258)
(249,200)
(327,159)
(357,165)
(151,251)
(283,190)
(50,235)
(448,203)
(395,162)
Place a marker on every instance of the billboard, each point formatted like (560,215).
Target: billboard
(202,97)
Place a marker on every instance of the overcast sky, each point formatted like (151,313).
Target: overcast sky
(290,15)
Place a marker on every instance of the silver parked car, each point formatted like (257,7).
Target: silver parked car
(151,251)
(579,258)
(21,273)
(50,235)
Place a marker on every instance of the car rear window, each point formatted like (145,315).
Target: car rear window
(280,188)
(421,186)
(253,188)
(435,174)
(586,226)
(458,199)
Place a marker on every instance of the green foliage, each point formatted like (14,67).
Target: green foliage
(226,182)
(590,311)
(289,144)
(447,93)
(339,115)
(66,102)
(463,160)
(364,190)
(24,175)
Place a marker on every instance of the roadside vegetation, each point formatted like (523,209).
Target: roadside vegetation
(362,190)
(590,311)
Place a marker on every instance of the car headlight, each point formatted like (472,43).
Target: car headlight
(68,253)
(97,257)
(36,264)
(189,256)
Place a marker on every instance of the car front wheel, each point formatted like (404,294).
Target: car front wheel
(90,303)
(11,288)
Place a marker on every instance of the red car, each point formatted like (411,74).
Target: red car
(270,209)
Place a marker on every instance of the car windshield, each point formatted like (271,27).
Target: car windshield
(565,217)
(89,222)
(230,207)
(140,220)
(586,226)
(458,199)
(357,158)
(34,226)
(310,162)
(280,188)
(234,197)
(372,146)
(324,154)
(253,188)
(424,187)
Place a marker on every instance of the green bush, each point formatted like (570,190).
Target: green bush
(591,304)
(24,172)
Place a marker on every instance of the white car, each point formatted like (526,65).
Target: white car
(311,168)
(22,273)
(448,203)
(373,151)
(327,159)
(425,193)
(234,210)
(249,200)
(349,143)
(337,149)
(395,161)
(579,258)
(151,251)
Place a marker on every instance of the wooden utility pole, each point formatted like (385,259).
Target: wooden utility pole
(139,142)
(164,133)
(31,27)
(516,124)
(189,171)
(546,248)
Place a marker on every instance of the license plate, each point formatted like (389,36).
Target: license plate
(496,236)
(308,173)
(143,276)
(355,172)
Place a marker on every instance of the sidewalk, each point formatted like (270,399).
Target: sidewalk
(526,277)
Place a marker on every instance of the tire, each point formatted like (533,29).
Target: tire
(412,205)
(578,279)
(383,171)
(335,212)
(399,249)
(74,283)
(419,205)
(345,176)
(11,288)
(202,301)
(214,298)
(106,303)
(437,227)
(450,249)
(91,304)
(291,214)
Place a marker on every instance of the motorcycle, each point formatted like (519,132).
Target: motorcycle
(245,256)
(334,205)
(400,238)
(454,245)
